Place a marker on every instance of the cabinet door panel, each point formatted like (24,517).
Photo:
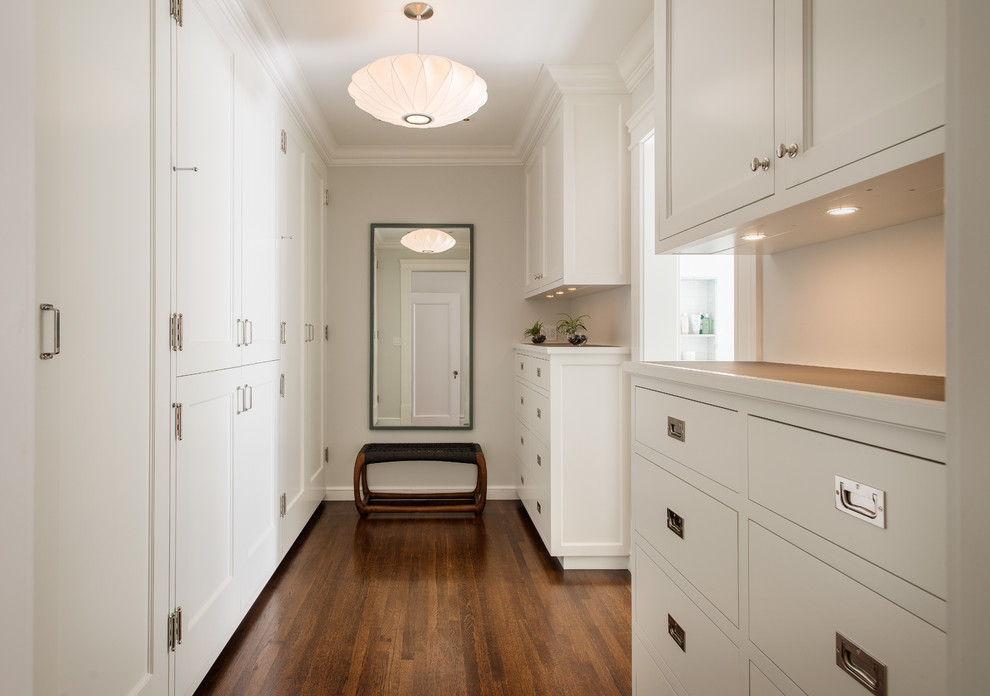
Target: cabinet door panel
(255,497)
(535,219)
(861,77)
(554,168)
(206,249)
(718,109)
(315,224)
(203,503)
(259,235)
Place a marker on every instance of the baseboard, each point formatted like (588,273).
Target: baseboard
(494,493)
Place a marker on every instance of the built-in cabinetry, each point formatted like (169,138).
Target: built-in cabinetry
(573,475)
(788,531)
(767,104)
(577,185)
(246,335)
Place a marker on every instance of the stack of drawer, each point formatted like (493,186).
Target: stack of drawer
(766,560)
(533,439)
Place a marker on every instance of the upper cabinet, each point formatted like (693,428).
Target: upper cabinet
(768,104)
(577,222)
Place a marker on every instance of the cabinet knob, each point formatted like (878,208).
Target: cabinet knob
(758,163)
(789,150)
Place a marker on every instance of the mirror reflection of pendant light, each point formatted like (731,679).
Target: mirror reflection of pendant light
(426,240)
(418,91)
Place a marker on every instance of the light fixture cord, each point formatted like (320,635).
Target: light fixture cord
(419,18)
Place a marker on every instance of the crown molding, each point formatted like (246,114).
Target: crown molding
(424,157)
(636,60)
(261,31)
(641,123)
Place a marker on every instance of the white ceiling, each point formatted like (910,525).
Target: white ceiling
(506,43)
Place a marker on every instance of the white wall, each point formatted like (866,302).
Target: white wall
(492,199)
(609,318)
(18,316)
(873,301)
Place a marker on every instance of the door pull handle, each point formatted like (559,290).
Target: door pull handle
(56,332)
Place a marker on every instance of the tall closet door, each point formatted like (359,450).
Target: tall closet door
(258,140)
(315,225)
(292,475)
(207,254)
(203,503)
(256,539)
(101,556)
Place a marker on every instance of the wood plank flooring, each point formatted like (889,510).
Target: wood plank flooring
(412,605)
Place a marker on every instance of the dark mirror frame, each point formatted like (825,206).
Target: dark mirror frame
(372,367)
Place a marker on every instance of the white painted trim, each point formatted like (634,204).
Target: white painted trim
(340,494)
(636,60)
(425,157)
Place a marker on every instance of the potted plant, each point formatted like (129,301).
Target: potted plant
(535,332)
(574,328)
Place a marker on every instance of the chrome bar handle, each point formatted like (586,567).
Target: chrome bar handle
(249,334)
(240,400)
(57,332)
(240,333)
(249,393)
(179,331)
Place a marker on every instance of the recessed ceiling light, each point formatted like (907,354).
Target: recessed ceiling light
(571,289)
(754,236)
(560,292)
(550,296)
(842,210)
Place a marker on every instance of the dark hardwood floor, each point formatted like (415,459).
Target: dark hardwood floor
(429,605)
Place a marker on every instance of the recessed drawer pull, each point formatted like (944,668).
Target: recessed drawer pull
(862,502)
(677,633)
(539,508)
(864,668)
(522,441)
(522,366)
(539,413)
(522,401)
(539,372)
(539,460)
(676,428)
(675,523)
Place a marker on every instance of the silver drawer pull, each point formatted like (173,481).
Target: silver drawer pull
(861,501)
(675,523)
(56,332)
(676,428)
(539,508)
(864,668)
(522,366)
(521,441)
(521,401)
(677,633)
(539,460)
(539,372)
(539,413)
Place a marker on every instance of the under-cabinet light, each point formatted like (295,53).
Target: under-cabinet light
(842,210)
(754,236)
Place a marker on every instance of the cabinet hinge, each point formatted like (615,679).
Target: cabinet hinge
(175,629)
(326,454)
(326,196)
(178,421)
(175,332)
(281,505)
(285,142)
(175,11)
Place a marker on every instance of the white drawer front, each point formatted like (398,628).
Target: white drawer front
(759,685)
(522,366)
(522,446)
(539,415)
(710,434)
(539,372)
(539,464)
(793,472)
(707,550)
(797,606)
(709,662)
(648,680)
(537,504)
(522,401)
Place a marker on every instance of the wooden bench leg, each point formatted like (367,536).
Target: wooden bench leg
(360,484)
(481,489)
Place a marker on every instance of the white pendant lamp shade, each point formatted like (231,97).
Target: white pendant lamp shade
(418,91)
(426,240)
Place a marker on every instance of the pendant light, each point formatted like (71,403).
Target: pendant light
(418,91)
(427,240)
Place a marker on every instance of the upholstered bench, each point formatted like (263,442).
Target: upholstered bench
(367,500)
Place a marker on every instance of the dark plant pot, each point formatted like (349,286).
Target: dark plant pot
(539,339)
(577,339)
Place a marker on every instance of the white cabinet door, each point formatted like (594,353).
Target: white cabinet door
(207,257)
(316,181)
(717,105)
(860,76)
(203,503)
(256,540)
(554,202)
(259,234)
(535,219)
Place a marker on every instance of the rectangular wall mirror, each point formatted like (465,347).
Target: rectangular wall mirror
(421,326)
